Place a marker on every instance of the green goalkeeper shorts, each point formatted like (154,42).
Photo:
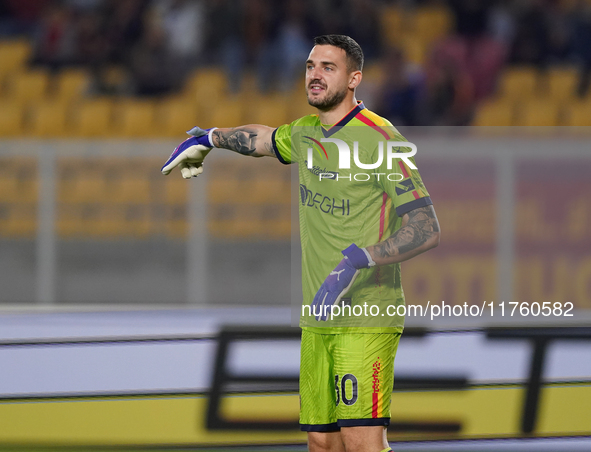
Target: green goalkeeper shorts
(346,380)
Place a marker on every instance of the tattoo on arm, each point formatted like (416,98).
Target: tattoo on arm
(421,226)
(240,139)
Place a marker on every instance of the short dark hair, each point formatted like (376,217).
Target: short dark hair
(351,48)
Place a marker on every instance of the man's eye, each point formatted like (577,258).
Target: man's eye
(328,68)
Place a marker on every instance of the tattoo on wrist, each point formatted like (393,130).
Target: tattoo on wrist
(241,140)
(422,225)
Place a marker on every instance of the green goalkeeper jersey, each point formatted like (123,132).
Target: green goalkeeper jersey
(339,205)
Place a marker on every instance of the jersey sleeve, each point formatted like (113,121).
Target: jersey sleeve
(406,188)
(281,141)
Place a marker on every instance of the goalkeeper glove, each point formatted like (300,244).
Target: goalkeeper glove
(189,155)
(340,280)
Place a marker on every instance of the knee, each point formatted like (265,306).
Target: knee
(325,442)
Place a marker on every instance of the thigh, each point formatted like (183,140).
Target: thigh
(364,374)
(317,384)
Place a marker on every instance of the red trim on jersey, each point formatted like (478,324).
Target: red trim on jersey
(403,168)
(374,406)
(365,120)
(383,215)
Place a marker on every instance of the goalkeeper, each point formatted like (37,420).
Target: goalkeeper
(347,361)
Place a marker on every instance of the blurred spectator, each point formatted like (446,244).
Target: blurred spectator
(471,54)
(294,37)
(501,22)
(55,37)
(449,99)
(150,64)
(361,22)
(184,24)
(226,39)
(580,23)
(19,17)
(124,26)
(531,43)
(400,93)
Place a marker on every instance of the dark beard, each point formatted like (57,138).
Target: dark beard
(329,102)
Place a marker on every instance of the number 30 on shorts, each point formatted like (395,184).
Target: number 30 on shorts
(346,389)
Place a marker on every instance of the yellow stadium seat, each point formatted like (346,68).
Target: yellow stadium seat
(431,23)
(177,115)
(85,188)
(129,189)
(11,119)
(266,190)
(48,119)
(578,114)
(93,118)
(176,189)
(226,190)
(227,113)
(177,225)
(269,110)
(519,83)
(393,21)
(415,48)
(13,55)
(207,86)
(135,118)
(27,86)
(538,113)
(494,113)
(562,83)
(71,84)
(18,220)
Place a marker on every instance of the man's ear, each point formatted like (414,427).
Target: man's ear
(355,79)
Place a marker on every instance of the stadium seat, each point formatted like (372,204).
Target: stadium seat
(538,113)
(18,220)
(227,113)
(176,189)
(83,188)
(93,118)
(519,83)
(129,189)
(561,83)
(227,190)
(393,23)
(578,115)
(11,118)
(14,54)
(177,225)
(494,113)
(176,115)
(207,86)
(415,48)
(48,119)
(431,23)
(18,180)
(298,104)
(71,84)
(270,110)
(27,86)
(135,118)
(266,190)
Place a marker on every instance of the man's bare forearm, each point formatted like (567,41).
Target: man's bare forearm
(253,140)
(419,233)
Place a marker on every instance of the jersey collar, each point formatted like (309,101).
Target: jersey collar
(335,128)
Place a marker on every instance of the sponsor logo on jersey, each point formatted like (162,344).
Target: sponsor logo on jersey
(376,408)
(324,203)
(404,186)
(317,171)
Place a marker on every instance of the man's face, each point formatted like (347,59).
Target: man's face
(327,77)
